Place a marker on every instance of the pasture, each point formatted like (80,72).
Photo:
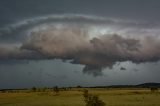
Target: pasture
(74,97)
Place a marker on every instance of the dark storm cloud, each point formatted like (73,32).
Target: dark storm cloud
(81,39)
(122,68)
(96,53)
(15,32)
(17,53)
(93,70)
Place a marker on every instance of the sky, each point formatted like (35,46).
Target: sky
(48,43)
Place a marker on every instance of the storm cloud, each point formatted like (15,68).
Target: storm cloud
(94,42)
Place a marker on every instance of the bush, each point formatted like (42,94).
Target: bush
(56,89)
(92,100)
(154,89)
(34,89)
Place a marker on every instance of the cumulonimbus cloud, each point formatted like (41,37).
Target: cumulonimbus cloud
(78,43)
(95,53)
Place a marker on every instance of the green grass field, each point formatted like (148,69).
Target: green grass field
(73,97)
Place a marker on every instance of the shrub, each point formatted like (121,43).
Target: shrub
(92,100)
(34,89)
(56,89)
(154,89)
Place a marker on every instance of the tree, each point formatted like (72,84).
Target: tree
(78,86)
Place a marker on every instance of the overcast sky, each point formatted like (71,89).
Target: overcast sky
(79,42)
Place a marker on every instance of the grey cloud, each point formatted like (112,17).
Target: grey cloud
(17,32)
(122,68)
(95,53)
(18,53)
(93,70)
(75,43)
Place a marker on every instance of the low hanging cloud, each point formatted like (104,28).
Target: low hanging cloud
(12,53)
(77,44)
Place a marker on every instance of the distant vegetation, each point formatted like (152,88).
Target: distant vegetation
(154,89)
(56,89)
(146,94)
(79,97)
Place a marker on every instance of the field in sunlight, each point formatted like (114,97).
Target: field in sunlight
(73,97)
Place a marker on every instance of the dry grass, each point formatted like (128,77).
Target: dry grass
(112,97)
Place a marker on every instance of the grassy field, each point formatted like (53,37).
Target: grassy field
(73,97)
